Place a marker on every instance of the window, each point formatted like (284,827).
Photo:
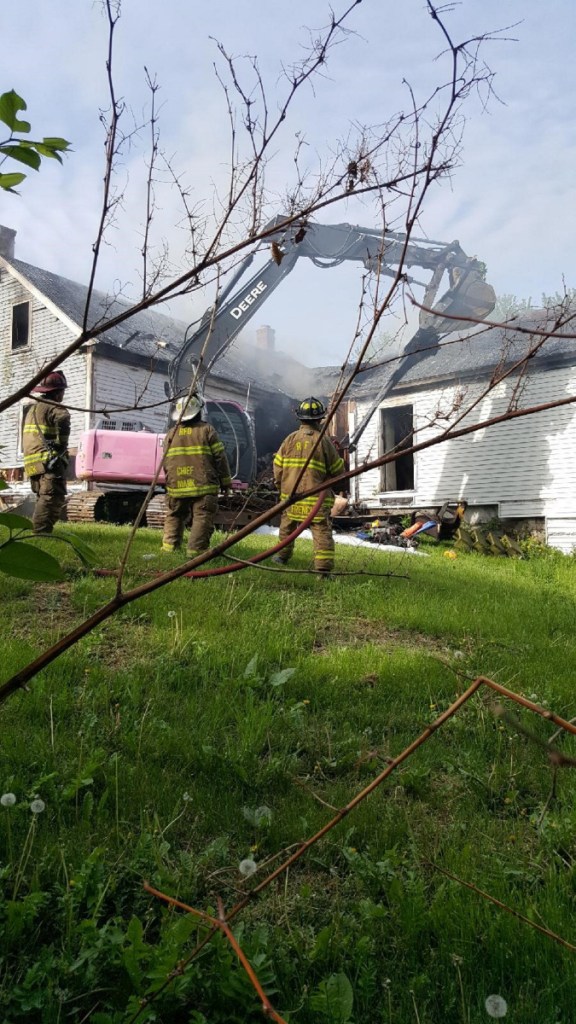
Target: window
(397,426)
(20,325)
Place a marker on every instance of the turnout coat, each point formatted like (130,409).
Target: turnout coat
(303,448)
(195,461)
(46,433)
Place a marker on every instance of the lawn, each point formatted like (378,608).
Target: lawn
(225,720)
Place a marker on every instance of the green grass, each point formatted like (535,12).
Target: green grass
(153,741)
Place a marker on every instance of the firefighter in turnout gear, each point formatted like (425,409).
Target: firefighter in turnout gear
(305,460)
(45,443)
(196,470)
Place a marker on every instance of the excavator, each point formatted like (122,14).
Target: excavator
(110,458)
(327,246)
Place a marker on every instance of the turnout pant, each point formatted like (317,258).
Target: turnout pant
(203,512)
(322,542)
(50,491)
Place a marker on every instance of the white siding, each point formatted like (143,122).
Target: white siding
(561,534)
(48,337)
(137,392)
(528,464)
(140,394)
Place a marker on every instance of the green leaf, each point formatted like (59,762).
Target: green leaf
(26,562)
(322,943)
(334,999)
(3,485)
(279,678)
(22,152)
(251,667)
(52,148)
(14,522)
(10,104)
(54,142)
(7,181)
(85,553)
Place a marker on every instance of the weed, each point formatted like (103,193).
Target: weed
(176,747)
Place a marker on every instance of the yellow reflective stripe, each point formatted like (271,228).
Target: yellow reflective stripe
(35,457)
(193,449)
(216,447)
(336,467)
(189,490)
(32,428)
(301,509)
(298,463)
(321,553)
(311,501)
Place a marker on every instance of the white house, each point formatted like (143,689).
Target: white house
(523,469)
(120,374)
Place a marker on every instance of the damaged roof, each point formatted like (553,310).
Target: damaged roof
(468,355)
(142,334)
(150,334)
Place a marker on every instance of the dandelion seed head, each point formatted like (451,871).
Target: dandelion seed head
(247,867)
(263,815)
(37,806)
(8,799)
(186,797)
(171,615)
(496,1006)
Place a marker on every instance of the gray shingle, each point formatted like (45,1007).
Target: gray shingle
(141,334)
(468,355)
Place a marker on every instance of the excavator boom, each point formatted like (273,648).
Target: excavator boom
(327,245)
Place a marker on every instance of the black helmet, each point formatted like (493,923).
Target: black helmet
(311,409)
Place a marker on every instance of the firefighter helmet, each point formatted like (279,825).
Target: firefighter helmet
(311,409)
(55,381)
(188,408)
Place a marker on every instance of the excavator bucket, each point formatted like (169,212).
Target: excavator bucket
(469,296)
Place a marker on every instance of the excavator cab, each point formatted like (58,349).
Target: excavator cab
(234,428)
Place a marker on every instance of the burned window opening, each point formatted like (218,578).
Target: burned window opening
(20,325)
(396,433)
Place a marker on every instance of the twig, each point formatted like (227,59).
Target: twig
(504,906)
(341,814)
(220,924)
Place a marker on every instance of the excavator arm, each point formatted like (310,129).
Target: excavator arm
(328,245)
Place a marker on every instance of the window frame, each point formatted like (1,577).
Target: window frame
(20,346)
(388,423)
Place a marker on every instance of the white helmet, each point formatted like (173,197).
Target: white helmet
(188,409)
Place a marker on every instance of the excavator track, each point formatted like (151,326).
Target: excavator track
(156,511)
(81,507)
(100,506)
(234,511)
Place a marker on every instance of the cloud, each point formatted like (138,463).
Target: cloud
(511,202)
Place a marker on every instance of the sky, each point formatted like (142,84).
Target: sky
(511,201)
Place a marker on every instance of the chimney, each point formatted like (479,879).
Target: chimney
(7,239)
(265,338)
